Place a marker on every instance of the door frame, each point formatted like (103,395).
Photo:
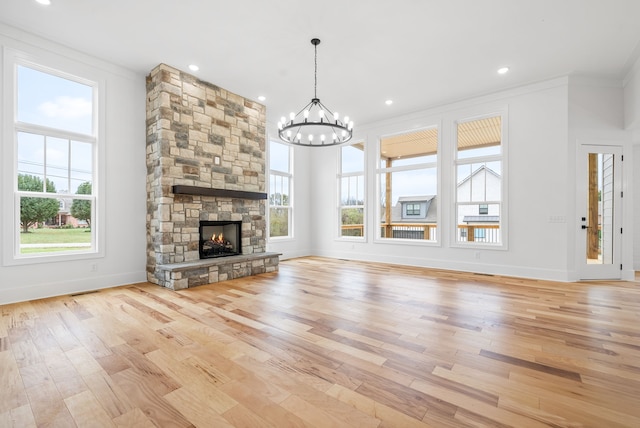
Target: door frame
(587,271)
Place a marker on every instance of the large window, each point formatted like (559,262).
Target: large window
(479,171)
(408,185)
(54,173)
(280,185)
(351,185)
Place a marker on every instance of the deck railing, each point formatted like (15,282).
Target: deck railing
(486,233)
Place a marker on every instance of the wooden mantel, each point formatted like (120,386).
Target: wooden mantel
(222,193)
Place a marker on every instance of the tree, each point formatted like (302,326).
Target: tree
(278,199)
(81,208)
(36,210)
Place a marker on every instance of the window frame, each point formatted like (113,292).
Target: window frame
(289,208)
(411,208)
(436,165)
(340,176)
(503,159)
(62,67)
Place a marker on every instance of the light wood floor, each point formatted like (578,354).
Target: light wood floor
(327,343)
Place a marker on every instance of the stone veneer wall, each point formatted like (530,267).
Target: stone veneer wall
(190,123)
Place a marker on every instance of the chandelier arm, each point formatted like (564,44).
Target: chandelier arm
(304,108)
(326,109)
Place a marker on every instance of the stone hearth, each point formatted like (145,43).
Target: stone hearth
(200,136)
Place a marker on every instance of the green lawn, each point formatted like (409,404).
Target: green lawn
(52,249)
(56,236)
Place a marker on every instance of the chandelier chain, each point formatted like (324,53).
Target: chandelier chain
(315,74)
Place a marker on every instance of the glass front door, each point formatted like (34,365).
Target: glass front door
(599,196)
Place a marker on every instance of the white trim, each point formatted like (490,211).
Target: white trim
(378,171)
(339,176)
(62,67)
(289,175)
(502,158)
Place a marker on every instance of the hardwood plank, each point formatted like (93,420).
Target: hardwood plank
(110,396)
(148,400)
(328,342)
(48,406)
(135,418)
(12,392)
(196,408)
(87,411)
(388,415)
(19,417)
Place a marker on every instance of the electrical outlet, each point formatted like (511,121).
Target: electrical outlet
(94,267)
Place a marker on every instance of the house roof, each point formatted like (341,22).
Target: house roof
(477,171)
(403,199)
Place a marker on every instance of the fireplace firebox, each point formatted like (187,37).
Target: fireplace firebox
(220,238)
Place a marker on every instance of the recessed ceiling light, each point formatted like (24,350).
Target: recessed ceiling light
(262,98)
(388,102)
(194,67)
(503,70)
(44,2)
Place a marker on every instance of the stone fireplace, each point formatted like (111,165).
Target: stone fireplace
(205,164)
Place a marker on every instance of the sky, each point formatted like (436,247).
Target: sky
(54,102)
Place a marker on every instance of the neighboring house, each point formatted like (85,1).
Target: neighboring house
(481,185)
(415,209)
(64,216)
(413,217)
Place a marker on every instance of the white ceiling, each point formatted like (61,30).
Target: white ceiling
(419,53)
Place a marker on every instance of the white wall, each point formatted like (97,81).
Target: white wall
(632,123)
(596,116)
(535,174)
(632,97)
(125,190)
(299,244)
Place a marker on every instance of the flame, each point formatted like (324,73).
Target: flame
(219,238)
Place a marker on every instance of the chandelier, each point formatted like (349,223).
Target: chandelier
(315,125)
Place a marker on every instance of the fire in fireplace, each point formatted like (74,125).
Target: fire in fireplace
(220,238)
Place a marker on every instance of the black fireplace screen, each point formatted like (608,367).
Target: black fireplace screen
(220,238)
